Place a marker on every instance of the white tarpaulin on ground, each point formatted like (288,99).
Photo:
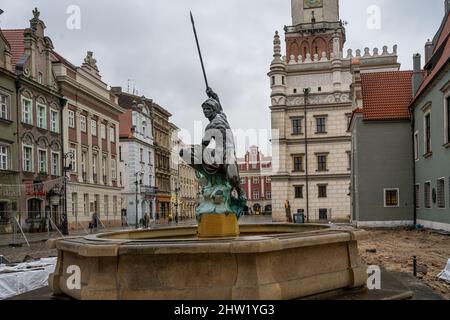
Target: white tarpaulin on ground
(24,277)
(445,275)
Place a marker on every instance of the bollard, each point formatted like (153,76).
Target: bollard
(415,266)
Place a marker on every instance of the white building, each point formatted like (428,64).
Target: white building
(137,157)
(315,168)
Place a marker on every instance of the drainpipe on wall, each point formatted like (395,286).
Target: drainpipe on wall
(417,80)
(413,124)
(19,161)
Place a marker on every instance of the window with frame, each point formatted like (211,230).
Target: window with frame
(427,195)
(94,127)
(4,157)
(144,129)
(55,164)
(297,126)
(149,158)
(104,169)
(255,195)
(428,133)
(268,180)
(269,195)
(298,190)
(322,188)
(83,126)
(73,159)
(417,195)
(4,106)
(322,162)
(86,204)
(298,164)
(115,205)
(321,125)
(71,116)
(106,205)
(416,146)
(42,160)
(27,158)
(40,77)
(41,116)
(256,180)
(94,163)
(242,180)
(27,111)
(103,131)
(391,198)
(113,169)
(74,204)
(83,164)
(141,155)
(441,193)
(54,121)
(349,157)
(112,134)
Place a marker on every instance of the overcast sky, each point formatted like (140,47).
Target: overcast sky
(151,42)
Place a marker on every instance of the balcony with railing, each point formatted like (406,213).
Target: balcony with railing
(149,191)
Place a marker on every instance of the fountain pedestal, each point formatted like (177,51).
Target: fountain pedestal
(218,226)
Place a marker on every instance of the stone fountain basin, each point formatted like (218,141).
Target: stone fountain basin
(268,262)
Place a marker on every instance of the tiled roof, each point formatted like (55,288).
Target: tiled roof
(387,95)
(15,39)
(441,55)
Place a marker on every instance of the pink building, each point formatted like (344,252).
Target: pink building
(255,171)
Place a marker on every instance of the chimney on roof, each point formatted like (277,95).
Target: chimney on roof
(428,50)
(417,74)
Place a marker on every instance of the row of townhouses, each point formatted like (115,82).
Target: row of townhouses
(72,147)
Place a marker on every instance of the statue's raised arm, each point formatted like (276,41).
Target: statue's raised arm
(212,95)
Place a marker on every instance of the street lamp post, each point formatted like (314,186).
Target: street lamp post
(177,190)
(66,169)
(306,93)
(137,174)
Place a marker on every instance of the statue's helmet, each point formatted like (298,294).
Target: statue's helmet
(211,103)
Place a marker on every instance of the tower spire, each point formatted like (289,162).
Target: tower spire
(276,48)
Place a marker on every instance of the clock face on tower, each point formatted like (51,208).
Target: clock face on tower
(308,4)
